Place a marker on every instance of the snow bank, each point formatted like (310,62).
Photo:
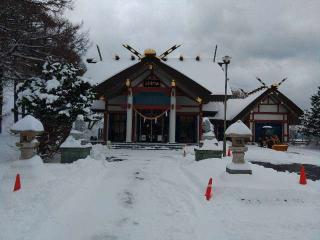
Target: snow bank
(28,123)
(293,155)
(32,172)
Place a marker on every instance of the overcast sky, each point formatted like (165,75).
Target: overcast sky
(268,39)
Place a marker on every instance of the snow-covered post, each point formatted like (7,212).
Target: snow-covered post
(172,116)
(28,127)
(129,112)
(238,131)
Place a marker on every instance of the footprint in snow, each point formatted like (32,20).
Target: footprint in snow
(137,176)
(127,199)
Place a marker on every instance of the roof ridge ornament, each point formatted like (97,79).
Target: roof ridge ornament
(273,86)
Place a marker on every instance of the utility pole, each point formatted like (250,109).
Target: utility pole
(226,60)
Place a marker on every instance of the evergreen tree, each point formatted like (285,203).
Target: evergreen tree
(311,118)
(56,98)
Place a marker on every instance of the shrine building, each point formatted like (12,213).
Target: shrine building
(151,98)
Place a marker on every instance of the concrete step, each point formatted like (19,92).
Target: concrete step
(147,146)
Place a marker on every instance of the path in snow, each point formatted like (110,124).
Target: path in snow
(134,199)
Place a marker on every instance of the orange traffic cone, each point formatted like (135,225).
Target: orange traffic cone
(17,184)
(303,178)
(209,190)
(229,152)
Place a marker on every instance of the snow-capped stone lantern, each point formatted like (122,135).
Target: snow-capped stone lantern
(238,132)
(28,128)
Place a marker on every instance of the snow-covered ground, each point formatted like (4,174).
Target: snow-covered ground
(295,154)
(154,195)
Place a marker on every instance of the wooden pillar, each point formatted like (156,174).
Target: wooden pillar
(200,122)
(172,114)
(129,112)
(105,122)
(251,122)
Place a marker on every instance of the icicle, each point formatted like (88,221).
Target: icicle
(155,120)
(167,113)
(144,120)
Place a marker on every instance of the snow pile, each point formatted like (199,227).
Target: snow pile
(32,172)
(99,152)
(71,142)
(238,128)
(28,123)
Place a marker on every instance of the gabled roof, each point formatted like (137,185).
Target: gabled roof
(292,107)
(239,107)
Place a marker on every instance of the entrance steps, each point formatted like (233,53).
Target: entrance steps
(148,146)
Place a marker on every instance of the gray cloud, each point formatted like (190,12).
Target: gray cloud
(269,39)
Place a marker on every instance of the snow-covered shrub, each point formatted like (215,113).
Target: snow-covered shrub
(56,98)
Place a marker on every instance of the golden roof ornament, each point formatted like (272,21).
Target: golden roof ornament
(150,52)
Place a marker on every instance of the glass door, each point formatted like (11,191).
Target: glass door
(152,130)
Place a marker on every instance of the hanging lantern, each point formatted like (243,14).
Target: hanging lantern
(199,100)
(128,83)
(173,83)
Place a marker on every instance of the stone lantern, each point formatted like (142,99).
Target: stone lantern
(238,132)
(28,128)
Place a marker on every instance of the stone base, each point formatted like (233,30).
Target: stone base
(205,154)
(239,168)
(238,171)
(69,155)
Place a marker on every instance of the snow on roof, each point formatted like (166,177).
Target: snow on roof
(238,128)
(234,106)
(98,72)
(28,123)
(205,72)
